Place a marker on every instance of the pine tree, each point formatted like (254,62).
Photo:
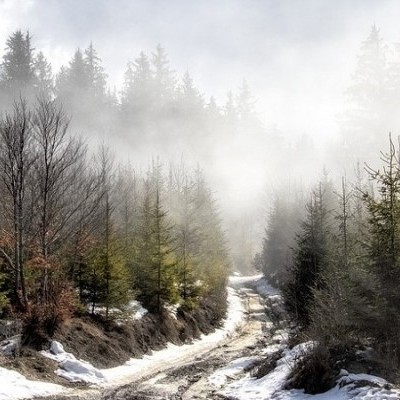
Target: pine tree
(310,258)
(18,68)
(245,102)
(44,77)
(95,75)
(279,240)
(156,276)
(214,266)
(364,125)
(384,226)
(192,101)
(137,94)
(186,232)
(164,79)
(72,84)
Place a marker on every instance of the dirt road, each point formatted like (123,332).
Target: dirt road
(188,377)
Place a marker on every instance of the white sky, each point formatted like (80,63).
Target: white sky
(296,55)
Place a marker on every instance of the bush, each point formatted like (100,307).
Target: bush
(316,372)
(44,318)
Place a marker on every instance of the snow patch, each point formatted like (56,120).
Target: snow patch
(171,353)
(266,290)
(14,386)
(271,386)
(134,311)
(76,370)
(220,377)
(72,369)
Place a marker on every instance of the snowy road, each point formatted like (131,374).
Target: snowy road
(217,366)
(192,378)
(191,373)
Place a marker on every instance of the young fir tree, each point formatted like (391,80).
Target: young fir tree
(156,276)
(106,280)
(310,258)
(384,227)
(185,231)
(279,241)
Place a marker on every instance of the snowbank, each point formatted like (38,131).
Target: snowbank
(15,386)
(271,386)
(264,388)
(173,353)
(70,368)
(76,370)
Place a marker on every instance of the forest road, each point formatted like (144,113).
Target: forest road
(188,377)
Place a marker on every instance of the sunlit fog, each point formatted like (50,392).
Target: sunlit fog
(262,96)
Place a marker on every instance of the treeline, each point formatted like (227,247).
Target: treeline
(80,232)
(153,105)
(371,102)
(337,263)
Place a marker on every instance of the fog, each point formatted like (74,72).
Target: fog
(298,59)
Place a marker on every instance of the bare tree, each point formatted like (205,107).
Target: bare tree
(15,162)
(57,175)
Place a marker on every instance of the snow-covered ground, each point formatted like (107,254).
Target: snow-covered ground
(349,386)
(271,386)
(79,370)
(13,385)
(232,380)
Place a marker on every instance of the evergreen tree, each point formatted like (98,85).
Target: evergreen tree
(155,274)
(186,233)
(44,77)
(364,125)
(81,88)
(164,79)
(214,266)
(18,68)
(384,226)
(310,258)
(192,101)
(245,103)
(72,84)
(95,75)
(137,94)
(279,240)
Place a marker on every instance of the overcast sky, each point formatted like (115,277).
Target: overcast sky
(297,55)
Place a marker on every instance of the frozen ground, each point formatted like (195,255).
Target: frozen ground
(215,367)
(75,370)
(271,386)
(15,386)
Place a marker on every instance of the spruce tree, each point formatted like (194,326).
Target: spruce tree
(310,258)
(18,68)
